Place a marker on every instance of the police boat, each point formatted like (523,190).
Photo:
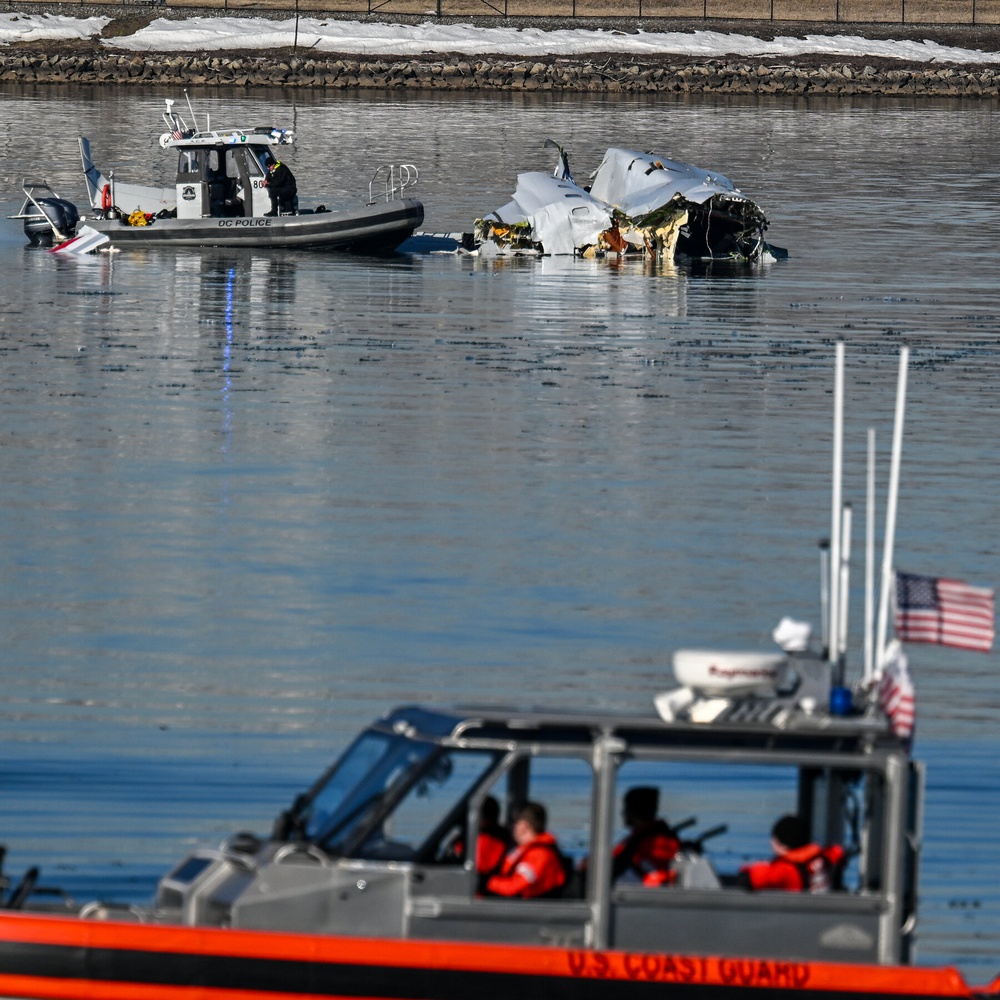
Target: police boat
(371,884)
(220,198)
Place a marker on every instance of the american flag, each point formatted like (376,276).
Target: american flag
(895,692)
(947,612)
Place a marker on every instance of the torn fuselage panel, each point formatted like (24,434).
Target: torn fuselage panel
(638,203)
(560,216)
(722,222)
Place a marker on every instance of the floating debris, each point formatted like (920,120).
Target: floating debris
(637,204)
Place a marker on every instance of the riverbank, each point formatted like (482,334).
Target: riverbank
(599,75)
(90,61)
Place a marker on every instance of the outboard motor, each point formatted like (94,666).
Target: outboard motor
(57,215)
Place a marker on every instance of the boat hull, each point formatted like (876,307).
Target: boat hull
(67,957)
(370,229)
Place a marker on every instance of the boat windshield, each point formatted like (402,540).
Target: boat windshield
(375,765)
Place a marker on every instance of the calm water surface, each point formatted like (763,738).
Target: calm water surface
(252,500)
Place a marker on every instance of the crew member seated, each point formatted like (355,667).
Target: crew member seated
(493,841)
(281,188)
(535,867)
(647,853)
(797,865)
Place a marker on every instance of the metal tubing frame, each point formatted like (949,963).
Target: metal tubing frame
(836,505)
(888,573)
(869,668)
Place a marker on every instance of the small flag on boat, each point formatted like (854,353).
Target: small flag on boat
(177,134)
(946,612)
(895,692)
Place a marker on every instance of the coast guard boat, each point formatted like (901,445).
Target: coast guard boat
(363,889)
(219,199)
(366,885)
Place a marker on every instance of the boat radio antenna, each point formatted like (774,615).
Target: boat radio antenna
(869,661)
(194,120)
(824,592)
(834,652)
(890,515)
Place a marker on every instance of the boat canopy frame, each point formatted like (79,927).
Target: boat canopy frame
(395,877)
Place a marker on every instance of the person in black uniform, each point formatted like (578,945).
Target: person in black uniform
(648,852)
(281,188)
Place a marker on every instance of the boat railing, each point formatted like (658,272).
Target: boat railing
(61,216)
(300,852)
(33,190)
(390,181)
(32,210)
(98,910)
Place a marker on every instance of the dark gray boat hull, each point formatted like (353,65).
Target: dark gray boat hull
(370,229)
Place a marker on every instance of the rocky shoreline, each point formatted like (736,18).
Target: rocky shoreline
(92,62)
(606,74)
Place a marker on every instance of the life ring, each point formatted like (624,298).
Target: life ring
(106,198)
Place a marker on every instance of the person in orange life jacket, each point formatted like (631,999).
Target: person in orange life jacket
(281,188)
(493,841)
(535,866)
(797,865)
(648,852)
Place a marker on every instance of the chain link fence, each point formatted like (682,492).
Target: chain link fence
(884,12)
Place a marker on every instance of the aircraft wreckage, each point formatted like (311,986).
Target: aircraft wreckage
(637,203)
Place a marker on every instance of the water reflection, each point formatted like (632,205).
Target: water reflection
(226,360)
(253,499)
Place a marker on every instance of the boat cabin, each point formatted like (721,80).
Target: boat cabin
(222,173)
(380,845)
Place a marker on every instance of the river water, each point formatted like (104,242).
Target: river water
(252,500)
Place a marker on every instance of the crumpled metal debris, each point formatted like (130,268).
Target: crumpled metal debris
(637,203)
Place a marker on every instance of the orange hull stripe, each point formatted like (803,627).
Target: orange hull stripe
(454,957)
(87,989)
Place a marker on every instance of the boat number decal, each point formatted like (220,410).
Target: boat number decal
(224,223)
(258,185)
(685,969)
